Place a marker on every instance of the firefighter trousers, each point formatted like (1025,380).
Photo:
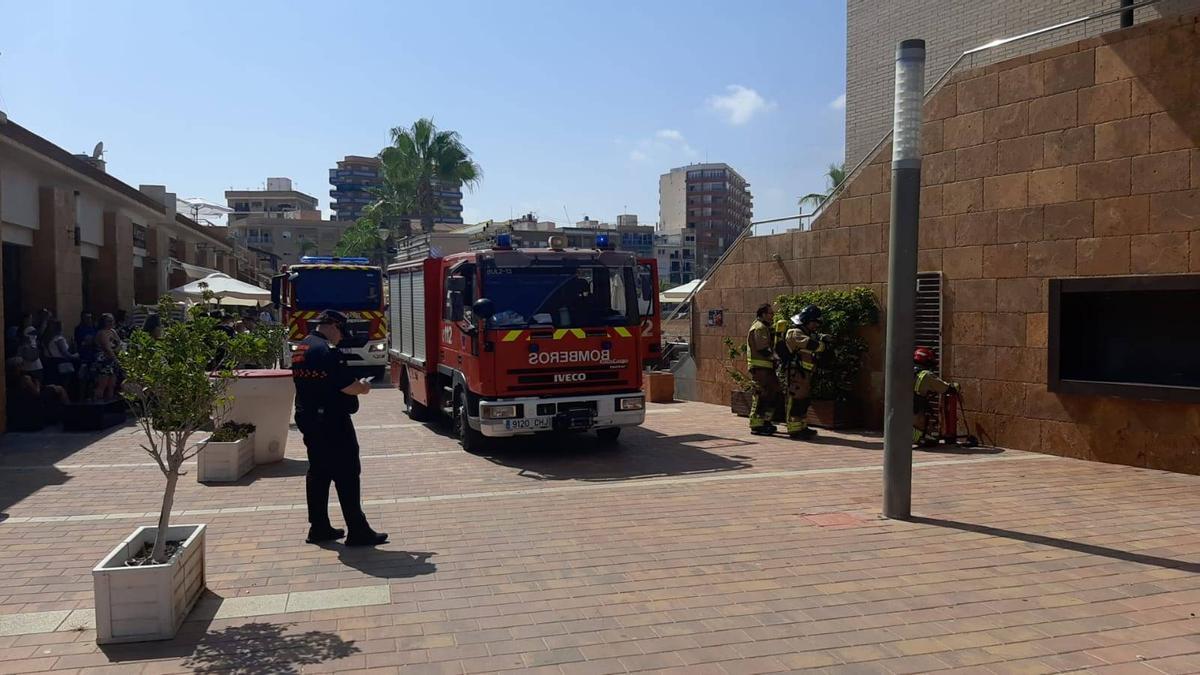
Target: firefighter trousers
(799,386)
(332,458)
(766,396)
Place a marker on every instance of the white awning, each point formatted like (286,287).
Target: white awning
(225,289)
(681,292)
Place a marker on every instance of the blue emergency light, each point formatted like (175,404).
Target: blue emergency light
(503,242)
(602,242)
(325,259)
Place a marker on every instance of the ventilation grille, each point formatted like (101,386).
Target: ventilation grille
(928,320)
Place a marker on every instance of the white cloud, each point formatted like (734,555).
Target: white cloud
(739,104)
(666,145)
(838,103)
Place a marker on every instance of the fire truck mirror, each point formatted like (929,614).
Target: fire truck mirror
(456,283)
(456,306)
(483,309)
(276,289)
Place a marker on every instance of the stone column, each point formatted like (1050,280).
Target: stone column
(114,269)
(53,278)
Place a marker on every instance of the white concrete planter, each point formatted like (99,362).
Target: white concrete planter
(264,398)
(136,604)
(225,462)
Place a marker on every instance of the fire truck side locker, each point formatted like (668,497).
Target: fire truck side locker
(414,336)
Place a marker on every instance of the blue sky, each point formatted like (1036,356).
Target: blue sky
(564,104)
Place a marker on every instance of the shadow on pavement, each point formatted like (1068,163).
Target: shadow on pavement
(250,649)
(960,450)
(27,459)
(384,564)
(1065,544)
(584,457)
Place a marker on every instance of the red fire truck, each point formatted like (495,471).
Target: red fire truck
(507,342)
(351,286)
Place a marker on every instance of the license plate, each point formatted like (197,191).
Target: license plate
(533,424)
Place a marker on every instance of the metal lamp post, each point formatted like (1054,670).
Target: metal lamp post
(902,279)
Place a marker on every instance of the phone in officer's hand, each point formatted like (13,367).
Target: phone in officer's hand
(366,380)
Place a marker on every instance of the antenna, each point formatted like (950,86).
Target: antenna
(568,215)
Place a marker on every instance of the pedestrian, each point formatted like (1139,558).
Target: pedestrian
(760,357)
(108,344)
(59,361)
(266,317)
(803,344)
(326,396)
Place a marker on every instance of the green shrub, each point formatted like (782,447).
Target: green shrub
(231,432)
(845,314)
(735,354)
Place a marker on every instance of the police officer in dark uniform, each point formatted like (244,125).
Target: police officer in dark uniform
(326,396)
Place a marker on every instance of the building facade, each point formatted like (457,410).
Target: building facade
(676,255)
(874,28)
(351,179)
(277,241)
(710,201)
(354,177)
(278,200)
(76,238)
(1060,209)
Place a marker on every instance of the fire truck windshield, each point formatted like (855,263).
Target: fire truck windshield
(561,296)
(338,289)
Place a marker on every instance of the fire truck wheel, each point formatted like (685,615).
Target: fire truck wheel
(472,441)
(609,435)
(416,411)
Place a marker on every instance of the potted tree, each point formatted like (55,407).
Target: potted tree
(742,387)
(226,455)
(846,314)
(147,585)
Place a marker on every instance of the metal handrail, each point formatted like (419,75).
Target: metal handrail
(837,189)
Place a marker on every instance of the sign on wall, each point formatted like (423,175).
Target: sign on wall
(716,318)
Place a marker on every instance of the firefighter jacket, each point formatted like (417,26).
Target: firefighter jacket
(925,386)
(804,349)
(760,344)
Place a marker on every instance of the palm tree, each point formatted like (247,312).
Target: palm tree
(834,176)
(420,160)
(307,246)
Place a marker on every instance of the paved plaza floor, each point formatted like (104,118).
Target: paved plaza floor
(691,547)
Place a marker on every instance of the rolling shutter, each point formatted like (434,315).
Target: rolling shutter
(928,320)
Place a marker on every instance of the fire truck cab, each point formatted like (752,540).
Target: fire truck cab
(348,285)
(508,342)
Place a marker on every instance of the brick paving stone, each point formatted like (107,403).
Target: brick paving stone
(563,557)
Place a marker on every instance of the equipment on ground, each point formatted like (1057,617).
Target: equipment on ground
(949,408)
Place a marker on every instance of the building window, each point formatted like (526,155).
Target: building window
(1151,357)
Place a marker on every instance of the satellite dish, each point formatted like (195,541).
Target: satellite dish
(98,151)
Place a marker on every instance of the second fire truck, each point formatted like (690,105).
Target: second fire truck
(351,286)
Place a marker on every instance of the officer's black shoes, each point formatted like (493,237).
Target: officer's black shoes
(803,434)
(368,538)
(764,430)
(318,535)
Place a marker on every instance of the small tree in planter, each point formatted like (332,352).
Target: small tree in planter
(177,387)
(176,384)
(845,314)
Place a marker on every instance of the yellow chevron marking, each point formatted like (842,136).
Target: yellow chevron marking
(579,332)
(622,331)
(512,335)
(558,334)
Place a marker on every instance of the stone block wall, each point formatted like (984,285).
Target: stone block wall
(1081,160)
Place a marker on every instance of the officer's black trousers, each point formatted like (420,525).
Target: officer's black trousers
(332,457)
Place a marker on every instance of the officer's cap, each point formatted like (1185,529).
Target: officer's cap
(332,316)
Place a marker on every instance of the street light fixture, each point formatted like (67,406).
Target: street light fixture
(902,279)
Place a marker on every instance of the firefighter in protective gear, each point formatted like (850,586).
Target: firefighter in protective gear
(804,345)
(928,388)
(760,357)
